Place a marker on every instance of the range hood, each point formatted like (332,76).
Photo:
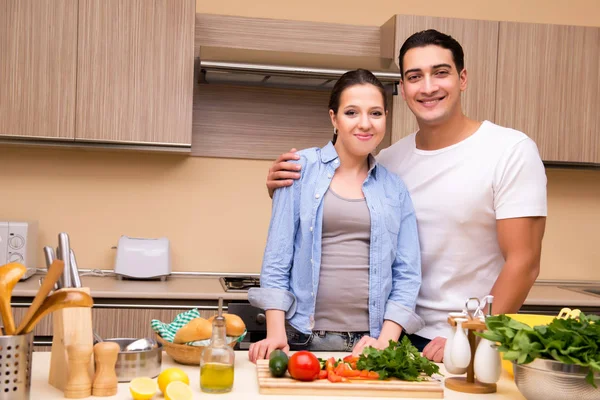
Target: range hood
(215,72)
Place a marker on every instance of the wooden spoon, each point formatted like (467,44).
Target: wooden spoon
(63,298)
(55,271)
(9,276)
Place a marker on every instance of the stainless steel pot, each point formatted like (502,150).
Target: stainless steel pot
(133,364)
(553,380)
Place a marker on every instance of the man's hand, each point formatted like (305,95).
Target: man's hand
(367,341)
(262,349)
(283,173)
(434,351)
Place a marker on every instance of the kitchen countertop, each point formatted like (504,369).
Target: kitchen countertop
(198,287)
(554,295)
(245,382)
(174,288)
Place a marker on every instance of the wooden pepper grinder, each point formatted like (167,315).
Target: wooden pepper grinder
(79,383)
(105,380)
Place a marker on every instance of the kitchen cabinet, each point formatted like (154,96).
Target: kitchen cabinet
(43,327)
(102,71)
(276,41)
(42,332)
(260,123)
(549,87)
(479,40)
(38,60)
(132,321)
(135,70)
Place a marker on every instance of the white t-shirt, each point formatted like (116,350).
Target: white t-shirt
(458,193)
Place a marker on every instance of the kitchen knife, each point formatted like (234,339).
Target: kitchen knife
(75,279)
(49,256)
(63,254)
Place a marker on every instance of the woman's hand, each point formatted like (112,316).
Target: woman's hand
(262,349)
(368,341)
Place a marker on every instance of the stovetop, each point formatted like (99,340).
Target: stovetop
(239,284)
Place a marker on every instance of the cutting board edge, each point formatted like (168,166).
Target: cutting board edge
(352,393)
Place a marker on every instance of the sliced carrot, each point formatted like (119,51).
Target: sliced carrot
(350,373)
(373,375)
(366,375)
(330,364)
(339,370)
(333,377)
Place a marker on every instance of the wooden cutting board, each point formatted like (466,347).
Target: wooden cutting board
(268,384)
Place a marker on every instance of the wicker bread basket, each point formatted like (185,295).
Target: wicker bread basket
(183,353)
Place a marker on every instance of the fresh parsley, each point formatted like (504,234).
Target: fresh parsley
(571,341)
(400,359)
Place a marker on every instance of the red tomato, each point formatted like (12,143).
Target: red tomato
(304,366)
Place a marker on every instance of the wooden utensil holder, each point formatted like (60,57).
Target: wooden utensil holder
(469,384)
(71,326)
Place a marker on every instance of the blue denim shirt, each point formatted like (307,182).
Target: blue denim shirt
(289,278)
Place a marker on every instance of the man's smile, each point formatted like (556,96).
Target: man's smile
(429,103)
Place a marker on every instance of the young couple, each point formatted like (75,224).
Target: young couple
(351,261)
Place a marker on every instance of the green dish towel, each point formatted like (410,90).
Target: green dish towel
(168,331)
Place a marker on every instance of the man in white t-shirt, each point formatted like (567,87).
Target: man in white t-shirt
(479,192)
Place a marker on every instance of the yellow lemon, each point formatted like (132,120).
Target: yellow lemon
(142,388)
(178,391)
(171,375)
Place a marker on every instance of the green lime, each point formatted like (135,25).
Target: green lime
(278,362)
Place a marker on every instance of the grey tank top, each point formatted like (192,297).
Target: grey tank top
(342,302)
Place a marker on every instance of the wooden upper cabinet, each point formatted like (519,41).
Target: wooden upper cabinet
(479,40)
(260,122)
(135,71)
(549,88)
(38,50)
(287,42)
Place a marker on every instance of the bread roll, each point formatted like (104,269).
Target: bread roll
(234,326)
(196,329)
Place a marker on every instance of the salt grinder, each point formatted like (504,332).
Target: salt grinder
(105,380)
(79,383)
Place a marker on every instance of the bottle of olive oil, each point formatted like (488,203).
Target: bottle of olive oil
(217,360)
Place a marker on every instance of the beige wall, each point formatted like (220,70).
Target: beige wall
(376,12)
(216,211)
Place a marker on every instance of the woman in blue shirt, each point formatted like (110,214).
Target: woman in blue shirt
(342,266)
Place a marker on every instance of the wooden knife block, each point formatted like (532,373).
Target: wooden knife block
(70,326)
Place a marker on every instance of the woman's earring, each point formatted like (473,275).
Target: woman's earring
(334,135)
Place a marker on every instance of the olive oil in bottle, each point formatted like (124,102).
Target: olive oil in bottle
(217,360)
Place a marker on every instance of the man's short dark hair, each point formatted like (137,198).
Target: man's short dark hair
(435,38)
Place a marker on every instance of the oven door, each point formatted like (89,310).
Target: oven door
(255,320)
